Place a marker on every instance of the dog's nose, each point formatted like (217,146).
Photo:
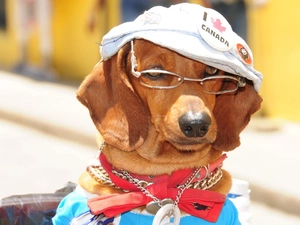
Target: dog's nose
(194,125)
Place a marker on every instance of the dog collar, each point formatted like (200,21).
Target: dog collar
(207,176)
(140,190)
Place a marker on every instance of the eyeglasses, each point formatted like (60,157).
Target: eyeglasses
(161,79)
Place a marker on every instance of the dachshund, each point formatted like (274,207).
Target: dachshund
(165,121)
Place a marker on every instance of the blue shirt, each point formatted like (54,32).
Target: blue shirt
(74,210)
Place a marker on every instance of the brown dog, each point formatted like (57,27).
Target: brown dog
(141,126)
(166,120)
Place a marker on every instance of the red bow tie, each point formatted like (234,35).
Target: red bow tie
(200,203)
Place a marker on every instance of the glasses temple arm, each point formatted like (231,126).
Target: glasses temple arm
(133,62)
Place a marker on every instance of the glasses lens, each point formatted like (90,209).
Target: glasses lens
(160,79)
(219,85)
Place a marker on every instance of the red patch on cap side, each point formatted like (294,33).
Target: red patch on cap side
(244,54)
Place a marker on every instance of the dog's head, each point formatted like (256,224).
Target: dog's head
(161,106)
(188,117)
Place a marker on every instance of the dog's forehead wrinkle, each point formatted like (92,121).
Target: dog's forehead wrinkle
(158,60)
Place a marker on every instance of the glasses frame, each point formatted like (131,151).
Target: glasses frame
(241,81)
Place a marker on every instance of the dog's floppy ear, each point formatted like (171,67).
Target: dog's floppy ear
(115,108)
(232,112)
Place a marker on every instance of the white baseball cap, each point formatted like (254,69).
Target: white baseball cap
(196,32)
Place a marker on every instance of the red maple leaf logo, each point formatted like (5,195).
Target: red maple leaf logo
(218,25)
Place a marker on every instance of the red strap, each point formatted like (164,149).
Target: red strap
(210,203)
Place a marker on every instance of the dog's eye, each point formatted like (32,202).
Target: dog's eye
(211,70)
(159,78)
(153,75)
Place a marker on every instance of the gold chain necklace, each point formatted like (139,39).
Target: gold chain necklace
(101,176)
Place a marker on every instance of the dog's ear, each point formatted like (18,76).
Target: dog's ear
(115,108)
(232,113)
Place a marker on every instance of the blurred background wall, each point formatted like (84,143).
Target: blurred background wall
(52,35)
(274,38)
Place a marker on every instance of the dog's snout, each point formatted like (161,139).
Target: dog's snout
(194,125)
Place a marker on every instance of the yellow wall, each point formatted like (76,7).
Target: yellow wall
(9,49)
(75,48)
(274,37)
